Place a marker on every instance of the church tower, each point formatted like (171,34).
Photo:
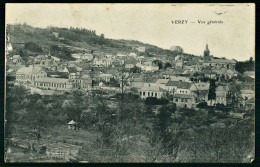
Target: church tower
(206,51)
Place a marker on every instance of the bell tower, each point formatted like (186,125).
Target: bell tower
(206,51)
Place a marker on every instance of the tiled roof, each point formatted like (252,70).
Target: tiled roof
(183,96)
(72,69)
(58,74)
(220,61)
(55,80)
(153,88)
(179,84)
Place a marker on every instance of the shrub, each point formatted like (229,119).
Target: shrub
(202,105)
(155,101)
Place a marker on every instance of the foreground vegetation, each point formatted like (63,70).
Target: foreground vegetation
(125,128)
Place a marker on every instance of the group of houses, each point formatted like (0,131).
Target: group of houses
(182,83)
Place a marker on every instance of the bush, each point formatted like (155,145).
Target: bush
(221,107)
(155,101)
(202,105)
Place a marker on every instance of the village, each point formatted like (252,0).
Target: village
(186,82)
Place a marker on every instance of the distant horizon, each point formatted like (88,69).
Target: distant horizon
(150,25)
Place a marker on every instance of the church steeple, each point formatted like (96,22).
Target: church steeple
(206,52)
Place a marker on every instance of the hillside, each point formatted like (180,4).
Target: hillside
(30,41)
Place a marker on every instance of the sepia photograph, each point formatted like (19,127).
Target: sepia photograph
(147,83)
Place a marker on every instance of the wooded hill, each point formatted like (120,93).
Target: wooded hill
(29,41)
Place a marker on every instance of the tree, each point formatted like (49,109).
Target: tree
(135,69)
(161,133)
(234,96)
(15,102)
(167,65)
(159,63)
(37,117)
(212,91)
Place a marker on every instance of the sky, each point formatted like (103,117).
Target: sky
(152,23)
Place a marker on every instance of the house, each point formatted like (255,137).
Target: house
(86,56)
(183,96)
(29,74)
(105,77)
(171,86)
(129,66)
(56,59)
(179,78)
(149,90)
(250,74)
(179,63)
(39,58)
(48,62)
(62,151)
(247,94)
(17,59)
(148,66)
(56,34)
(250,103)
(178,57)
(184,100)
(141,49)
(133,55)
(84,82)
(76,55)
(102,62)
(120,55)
(221,95)
(220,63)
(70,70)
(200,90)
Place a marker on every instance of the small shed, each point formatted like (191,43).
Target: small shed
(72,125)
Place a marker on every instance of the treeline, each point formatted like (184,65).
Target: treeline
(242,66)
(82,35)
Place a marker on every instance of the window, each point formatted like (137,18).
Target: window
(148,93)
(143,93)
(140,93)
(180,91)
(152,93)
(186,92)
(155,94)
(176,100)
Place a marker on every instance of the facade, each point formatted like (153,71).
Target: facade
(221,95)
(141,49)
(148,66)
(250,74)
(59,84)
(183,97)
(149,90)
(220,64)
(29,74)
(184,100)
(200,90)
